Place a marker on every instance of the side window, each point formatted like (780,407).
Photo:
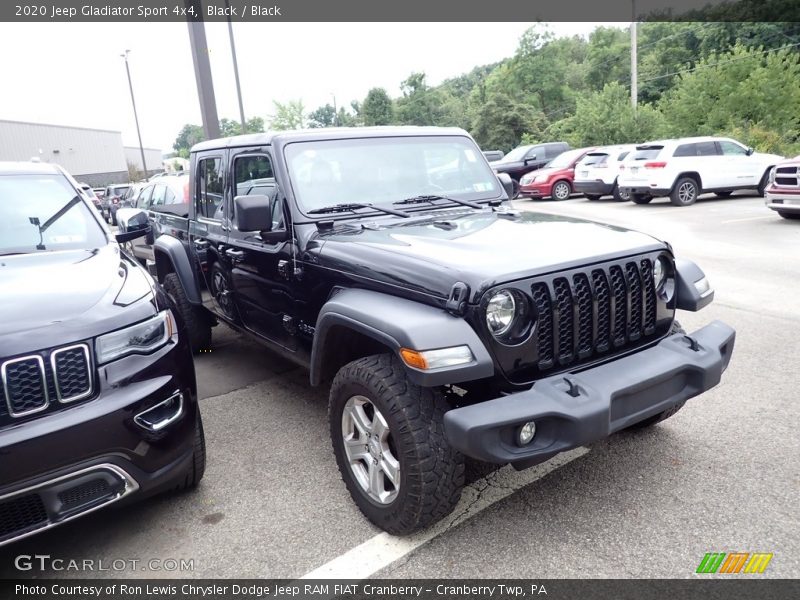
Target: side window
(536,152)
(622,156)
(686,150)
(253,175)
(209,187)
(169,196)
(158,195)
(731,149)
(143,201)
(707,149)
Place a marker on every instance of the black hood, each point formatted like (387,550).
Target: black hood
(479,248)
(53,298)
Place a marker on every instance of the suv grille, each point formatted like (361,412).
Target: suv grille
(594,312)
(21,514)
(36,383)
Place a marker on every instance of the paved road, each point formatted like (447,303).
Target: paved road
(722,475)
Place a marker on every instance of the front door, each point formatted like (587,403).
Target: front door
(261,265)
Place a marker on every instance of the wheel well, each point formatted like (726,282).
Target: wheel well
(164,265)
(344,345)
(692,175)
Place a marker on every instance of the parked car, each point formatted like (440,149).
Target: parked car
(597,173)
(492,155)
(111,201)
(99,192)
(365,262)
(98,402)
(166,202)
(554,180)
(527,158)
(89,193)
(783,189)
(685,168)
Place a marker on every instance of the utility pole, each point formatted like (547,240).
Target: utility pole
(202,75)
(235,67)
(335,114)
(135,115)
(634,60)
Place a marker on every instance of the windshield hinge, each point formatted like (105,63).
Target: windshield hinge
(457,300)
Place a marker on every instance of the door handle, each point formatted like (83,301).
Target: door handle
(235,254)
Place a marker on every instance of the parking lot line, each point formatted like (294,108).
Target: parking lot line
(382,550)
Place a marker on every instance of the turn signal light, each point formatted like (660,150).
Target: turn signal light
(413,358)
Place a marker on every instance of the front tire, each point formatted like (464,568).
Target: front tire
(561,190)
(619,196)
(198,466)
(197,323)
(789,215)
(685,192)
(514,189)
(389,443)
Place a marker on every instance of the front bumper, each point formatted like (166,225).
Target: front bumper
(593,188)
(72,461)
(536,190)
(575,409)
(784,200)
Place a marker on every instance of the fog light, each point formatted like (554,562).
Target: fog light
(526,433)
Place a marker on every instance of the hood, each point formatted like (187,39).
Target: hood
(501,166)
(480,248)
(51,298)
(546,172)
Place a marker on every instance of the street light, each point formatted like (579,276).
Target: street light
(135,116)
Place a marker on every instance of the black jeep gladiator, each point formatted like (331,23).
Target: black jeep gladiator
(388,262)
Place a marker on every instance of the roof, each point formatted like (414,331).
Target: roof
(323,133)
(28,168)
(59,126)
(685,140)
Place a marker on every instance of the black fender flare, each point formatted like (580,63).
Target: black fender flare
(687,275)
(171,249)
(400,323)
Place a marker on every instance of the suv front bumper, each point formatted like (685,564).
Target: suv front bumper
(570,410)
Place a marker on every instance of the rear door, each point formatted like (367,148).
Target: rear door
(208,230)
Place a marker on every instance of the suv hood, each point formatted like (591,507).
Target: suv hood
(481,249)
(53,298)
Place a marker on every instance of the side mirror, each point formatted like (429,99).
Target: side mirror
(253,213)
(132,223)
(507,183)
(530,158)
(750,151)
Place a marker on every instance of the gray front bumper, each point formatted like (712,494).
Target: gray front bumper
(575,409)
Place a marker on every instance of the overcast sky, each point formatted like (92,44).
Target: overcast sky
(72,73)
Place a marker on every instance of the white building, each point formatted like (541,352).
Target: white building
(95,156)
(153,157)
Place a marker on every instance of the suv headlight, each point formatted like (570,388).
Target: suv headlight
(500,312)
(771,176)
(659,272)
(142,338)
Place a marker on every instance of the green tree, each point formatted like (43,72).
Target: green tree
(377,108)
(324,116)
(289,115)
(501,121)
(188,136)
(420,104)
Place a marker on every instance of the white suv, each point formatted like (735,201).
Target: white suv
(684,168)
(596,173)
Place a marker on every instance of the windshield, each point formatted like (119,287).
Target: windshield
(39,213)
(516,154)
(385,170)
(564,159)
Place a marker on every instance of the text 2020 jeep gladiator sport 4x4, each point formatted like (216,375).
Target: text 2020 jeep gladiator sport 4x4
(388,261)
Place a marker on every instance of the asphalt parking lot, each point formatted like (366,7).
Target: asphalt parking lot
(722,475)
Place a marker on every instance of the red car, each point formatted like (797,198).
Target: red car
(554,180)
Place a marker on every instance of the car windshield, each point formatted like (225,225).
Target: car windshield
(42,213)
(564,159)
(386,170)
(516,154)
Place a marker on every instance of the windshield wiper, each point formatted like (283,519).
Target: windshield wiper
(431,197)
(335,208)
(46,225)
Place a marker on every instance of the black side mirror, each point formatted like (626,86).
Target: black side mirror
(529,159)
(254,213)
(507,183)
(132,223)
(750,151)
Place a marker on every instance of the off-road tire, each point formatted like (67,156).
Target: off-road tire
(684,192)
(650,421)
(197,323)
(431,472)
(618,196)
(789,215)
(198,467)
(641,198)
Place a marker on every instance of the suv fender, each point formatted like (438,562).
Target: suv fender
(396,323)
(687,276)
(691,175)
(172,256)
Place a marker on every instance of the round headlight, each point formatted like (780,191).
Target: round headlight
(500,312)
(659,272)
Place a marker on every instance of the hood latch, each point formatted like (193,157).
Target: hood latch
(457,300)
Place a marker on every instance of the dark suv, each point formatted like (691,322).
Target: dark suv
(388,262)
(97,396)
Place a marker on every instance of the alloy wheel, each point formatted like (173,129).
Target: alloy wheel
(561,191)
(687,192)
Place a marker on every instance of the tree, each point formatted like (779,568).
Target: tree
(290,115)
(188,136)
(377,108)
(501,121)
(324,116)
(420,104)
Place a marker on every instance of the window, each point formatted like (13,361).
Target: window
(731,149)
(253,175)
(158,195)
(169,196)
(707,149)
(209,187)
(143,200)
(685,150)
(622,155)
(650,152)
(536,152)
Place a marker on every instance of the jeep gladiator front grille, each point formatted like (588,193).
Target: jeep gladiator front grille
(593,312)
